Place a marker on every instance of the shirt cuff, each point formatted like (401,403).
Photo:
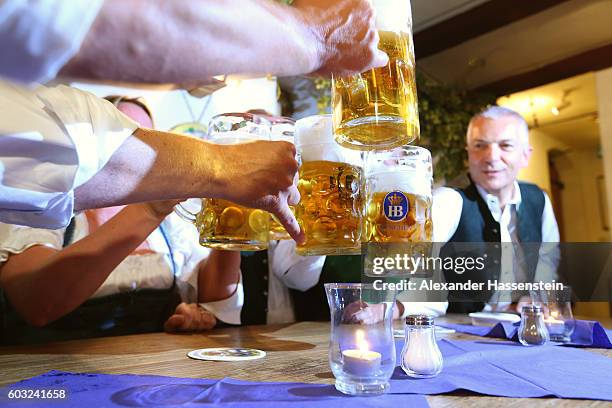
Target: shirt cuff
(36,209)
(15,239)
(40,37)
(295,271)
(228,310)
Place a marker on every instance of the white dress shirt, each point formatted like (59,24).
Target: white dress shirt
(445,215)
(52,140)
(40,36)
(513,264)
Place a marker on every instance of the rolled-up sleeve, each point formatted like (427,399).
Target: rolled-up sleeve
(15,239)
(228,310)
(293,270)
(40,36)
(52,140)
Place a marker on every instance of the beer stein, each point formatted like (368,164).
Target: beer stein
(399,196)
(282,129)
(377,109)
(330,185)
(221,223)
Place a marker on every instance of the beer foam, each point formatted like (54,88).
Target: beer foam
(314,140)
(393,15)
(314,129)
(405,180)
(235,137)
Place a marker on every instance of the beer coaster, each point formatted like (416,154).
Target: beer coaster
(226,354)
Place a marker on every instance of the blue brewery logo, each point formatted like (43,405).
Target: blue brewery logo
(395,206)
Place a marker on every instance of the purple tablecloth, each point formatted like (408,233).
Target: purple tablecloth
(102,390)
(509,369)
(587,333)
(488,367)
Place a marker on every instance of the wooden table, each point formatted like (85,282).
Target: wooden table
(296,352)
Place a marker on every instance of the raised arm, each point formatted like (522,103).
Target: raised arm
(191,41)
(153,165)
(67,139)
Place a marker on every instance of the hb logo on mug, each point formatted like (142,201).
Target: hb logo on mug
(395,206)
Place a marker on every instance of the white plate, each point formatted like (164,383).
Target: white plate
(440,332)
(491,319)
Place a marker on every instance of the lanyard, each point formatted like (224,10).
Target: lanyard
(170,253)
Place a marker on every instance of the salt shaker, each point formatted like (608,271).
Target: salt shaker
(421,357)
(532,331)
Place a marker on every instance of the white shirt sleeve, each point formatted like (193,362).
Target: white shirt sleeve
(40,36)
(52,140)
(15,239)
(549,254)
(228,310)
(295,271)
(446,213)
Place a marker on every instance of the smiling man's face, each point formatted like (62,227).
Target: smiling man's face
(496,152)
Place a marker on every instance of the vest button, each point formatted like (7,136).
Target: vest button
(265,293)
(495,230)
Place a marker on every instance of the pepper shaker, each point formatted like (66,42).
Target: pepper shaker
(532,331)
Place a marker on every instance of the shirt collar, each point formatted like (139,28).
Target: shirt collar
(493,202)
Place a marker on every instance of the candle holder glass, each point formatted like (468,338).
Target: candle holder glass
(361,345)
(558,317)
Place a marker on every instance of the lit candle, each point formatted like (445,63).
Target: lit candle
(361,362)
(555,326)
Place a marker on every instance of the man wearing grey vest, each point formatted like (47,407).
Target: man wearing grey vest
(511,221)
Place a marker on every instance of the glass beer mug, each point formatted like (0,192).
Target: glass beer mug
(377,109)
(282,129)
(399,196)
(330,179)
(221,223)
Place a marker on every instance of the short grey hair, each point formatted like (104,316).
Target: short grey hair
(496,112)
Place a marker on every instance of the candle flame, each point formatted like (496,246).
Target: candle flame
(360,340)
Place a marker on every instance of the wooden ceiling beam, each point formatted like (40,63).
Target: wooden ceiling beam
(592,60)
(475,22)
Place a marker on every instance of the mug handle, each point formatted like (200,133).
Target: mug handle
(185,214)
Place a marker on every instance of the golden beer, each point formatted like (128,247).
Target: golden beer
(282,129)
(377,109)
(329,211)
(225,225)
(277,231)
(413,226)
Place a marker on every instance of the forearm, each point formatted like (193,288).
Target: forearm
(218,276)
(45,284)
(153,165)
(219,37)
